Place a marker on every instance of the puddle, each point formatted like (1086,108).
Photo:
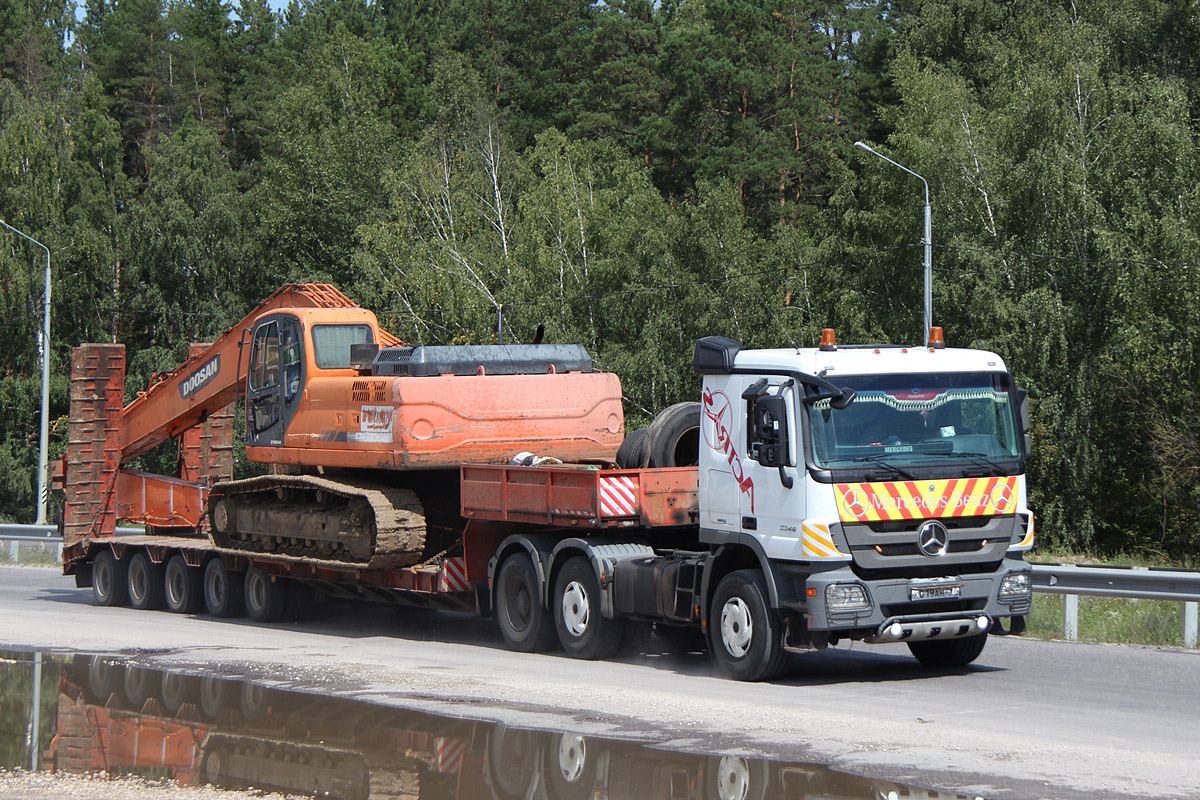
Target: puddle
(87,714)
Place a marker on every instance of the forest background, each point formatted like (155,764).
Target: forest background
(634,175)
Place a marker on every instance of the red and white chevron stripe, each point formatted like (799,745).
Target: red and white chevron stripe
(450,751)
(454,576)
(618,496)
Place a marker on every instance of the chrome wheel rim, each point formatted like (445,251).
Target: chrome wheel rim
(737,629)
(575,608)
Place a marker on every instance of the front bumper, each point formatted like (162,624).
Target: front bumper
(903,609)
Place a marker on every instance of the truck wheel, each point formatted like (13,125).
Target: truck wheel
(747,635)
(582,628)
(110,583)
(266,600)
(675,436)
(737,778)
(525,625)
(949,653)
(145,581)
(512,762)
(568,768)
(184,586)
(223,590)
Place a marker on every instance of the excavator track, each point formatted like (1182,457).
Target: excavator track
(315,517)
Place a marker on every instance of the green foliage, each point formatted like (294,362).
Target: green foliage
(633,175)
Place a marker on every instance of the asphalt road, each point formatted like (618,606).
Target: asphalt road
(1030,719)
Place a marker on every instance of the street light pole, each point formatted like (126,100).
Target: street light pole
(928,238)
(44,346)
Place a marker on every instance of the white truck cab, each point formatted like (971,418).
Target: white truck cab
(880,488)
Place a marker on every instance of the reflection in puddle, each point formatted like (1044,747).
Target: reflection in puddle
(102,714)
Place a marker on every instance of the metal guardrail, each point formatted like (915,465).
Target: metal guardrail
(1069,580)
(1151,583)
(41,534)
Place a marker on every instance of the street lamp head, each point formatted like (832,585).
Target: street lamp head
(864,146)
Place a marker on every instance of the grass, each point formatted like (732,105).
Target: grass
(30,554)
(1109,619)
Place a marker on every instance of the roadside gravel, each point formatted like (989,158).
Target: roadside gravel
(22,785)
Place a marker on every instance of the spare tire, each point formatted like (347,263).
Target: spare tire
(632,452)
(675,436)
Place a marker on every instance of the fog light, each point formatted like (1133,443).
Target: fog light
(1015,586)
(982,622)
(846,597)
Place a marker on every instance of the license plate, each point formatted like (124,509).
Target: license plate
(934,592)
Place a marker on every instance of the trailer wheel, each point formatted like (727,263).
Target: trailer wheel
(582,629)
(140,685)
(214,695)
(747,635)
(949,653)
(675,436)
(184,586)
(223,590)
(110,584)
(266,600)
(179,690)
(145,581)
(525,625)
(103,675)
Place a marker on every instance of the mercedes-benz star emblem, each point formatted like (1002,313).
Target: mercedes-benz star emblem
(932,538)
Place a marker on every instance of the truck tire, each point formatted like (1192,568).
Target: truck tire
(103,676)
(215,694)
(632,452)
(569,767)
(179,690)
(512,762)
(583,630)
(675,436)
(735,776)
(145,581)
(223,590)
(110,583)
(184,587)
(525,625)
(266,600)
(747,634)
(140,685)
(949,653)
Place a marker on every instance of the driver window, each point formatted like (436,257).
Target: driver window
(264,357)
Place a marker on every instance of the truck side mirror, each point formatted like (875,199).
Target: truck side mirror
(1023,410)
(771,430)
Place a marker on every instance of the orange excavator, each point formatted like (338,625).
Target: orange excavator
(359,431)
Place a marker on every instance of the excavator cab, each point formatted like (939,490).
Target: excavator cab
(283,358)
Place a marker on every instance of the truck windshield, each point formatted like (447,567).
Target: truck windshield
(905,422)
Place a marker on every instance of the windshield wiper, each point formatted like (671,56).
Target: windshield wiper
(980,459)
(878,459)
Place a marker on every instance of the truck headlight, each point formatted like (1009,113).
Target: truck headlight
(846,597)
(1015,586)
